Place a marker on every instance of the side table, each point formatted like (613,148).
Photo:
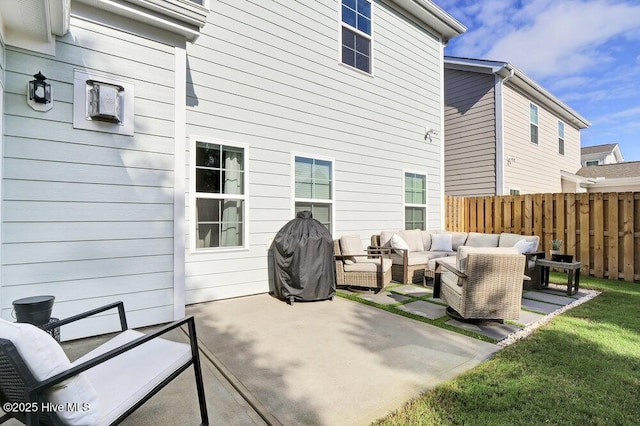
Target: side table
(572,268)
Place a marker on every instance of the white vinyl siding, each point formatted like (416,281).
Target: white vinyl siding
(536,168)
(264,74)
(88,216)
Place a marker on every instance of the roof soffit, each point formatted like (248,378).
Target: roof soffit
(433,16)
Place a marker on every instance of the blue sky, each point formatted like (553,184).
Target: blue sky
(585,52)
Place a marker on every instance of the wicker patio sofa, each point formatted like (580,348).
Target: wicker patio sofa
(417,257)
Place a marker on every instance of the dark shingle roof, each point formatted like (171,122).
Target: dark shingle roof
(598,148)
(612,171)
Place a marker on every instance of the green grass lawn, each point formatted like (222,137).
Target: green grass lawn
(583,368)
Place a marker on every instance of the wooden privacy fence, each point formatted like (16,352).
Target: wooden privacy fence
(601,230)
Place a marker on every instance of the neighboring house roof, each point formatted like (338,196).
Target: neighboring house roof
(601,151)
(628,169)
(520,80)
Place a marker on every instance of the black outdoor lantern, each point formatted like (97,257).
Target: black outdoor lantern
(39,89)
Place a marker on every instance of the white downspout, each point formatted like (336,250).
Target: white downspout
(499,114)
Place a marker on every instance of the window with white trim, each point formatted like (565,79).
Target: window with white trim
(218,174)
(560,137)
(314,188)
(592,163)
(356,34)
(415,201)
(533,123)
(514,191)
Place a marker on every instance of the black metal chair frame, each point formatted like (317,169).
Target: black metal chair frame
(17,384)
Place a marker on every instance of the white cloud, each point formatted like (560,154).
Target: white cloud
(547,37)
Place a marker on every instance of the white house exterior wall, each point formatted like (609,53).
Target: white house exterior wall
(528,159)
(88,216)
(266,75)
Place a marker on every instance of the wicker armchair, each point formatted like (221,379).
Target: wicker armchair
(482,286)
(102,387)
(371,271)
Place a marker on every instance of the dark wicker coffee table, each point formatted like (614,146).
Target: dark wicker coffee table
(572,268)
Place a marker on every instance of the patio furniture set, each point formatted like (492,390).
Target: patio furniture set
(39,385)
(480,276)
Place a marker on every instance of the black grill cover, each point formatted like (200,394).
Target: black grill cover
(304,260)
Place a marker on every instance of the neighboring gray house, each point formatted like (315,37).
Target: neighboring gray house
(505,134)
(601,154)
(217,121)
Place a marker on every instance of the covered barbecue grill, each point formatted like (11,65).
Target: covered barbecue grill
(304,260)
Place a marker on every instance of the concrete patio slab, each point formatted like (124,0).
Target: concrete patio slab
(495,331)
(527,317)
(542,307)
(424,309)
(330,363)
(384,298)
(413,290)
(548,297)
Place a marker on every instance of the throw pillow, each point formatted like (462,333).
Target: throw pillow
(441,242)
(45,358)
(398,243)
(524,246)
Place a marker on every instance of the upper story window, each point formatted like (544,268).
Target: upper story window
(560,137)
(415,201)
(219,195)
(592,163)
(533,120)
(356,34)
(314,188)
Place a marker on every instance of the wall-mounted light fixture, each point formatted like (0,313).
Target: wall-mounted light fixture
(429,134)
(39,95)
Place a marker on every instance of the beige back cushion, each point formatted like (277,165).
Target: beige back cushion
(509,240)
(464,251)
(385,237)
(351,245)
(413,238)
(478,239)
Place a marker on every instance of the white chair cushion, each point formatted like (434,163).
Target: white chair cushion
(352,245)
(413,238)
(398,243)
(442,242)
(45,358)
(126,379)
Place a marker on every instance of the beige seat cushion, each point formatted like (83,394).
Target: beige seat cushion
(368,265)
